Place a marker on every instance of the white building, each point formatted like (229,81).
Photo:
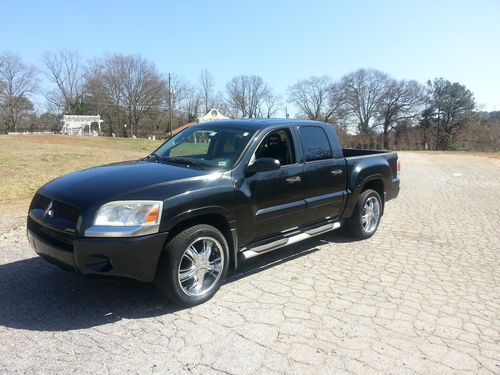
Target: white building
(212,115)
(81,125)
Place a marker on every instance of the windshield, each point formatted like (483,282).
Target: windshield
(214,147)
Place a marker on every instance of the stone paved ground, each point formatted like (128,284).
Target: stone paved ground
(421,296)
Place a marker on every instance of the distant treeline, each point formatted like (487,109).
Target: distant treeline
(369,108)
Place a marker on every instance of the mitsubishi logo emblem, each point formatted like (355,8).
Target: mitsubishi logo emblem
(49,212)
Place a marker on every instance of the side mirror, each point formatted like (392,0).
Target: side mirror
(263,165)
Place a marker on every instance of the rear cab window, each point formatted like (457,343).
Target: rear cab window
(315,144)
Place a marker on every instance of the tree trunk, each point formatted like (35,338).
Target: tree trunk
(438,138)
(386,135)
(130,120)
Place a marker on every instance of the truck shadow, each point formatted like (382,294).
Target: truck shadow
(35,295)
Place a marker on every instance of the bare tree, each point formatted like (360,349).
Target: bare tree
(65,70)
(221,103)
(401,104)
(179,89)
(129,84)
(246,95)
(97,94)
(207,84)
(271,105)
(313,97)
(191,105)
(182,98)
(362,92)
(17,82)
(104,93)
(187,100)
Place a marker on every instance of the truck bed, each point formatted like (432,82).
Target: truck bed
(357,156)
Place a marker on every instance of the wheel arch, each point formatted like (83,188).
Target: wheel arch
(376,184)
(216,219)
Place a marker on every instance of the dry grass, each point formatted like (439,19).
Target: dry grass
(27,162)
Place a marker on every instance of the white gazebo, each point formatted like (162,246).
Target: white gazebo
(80,125)
(212,115)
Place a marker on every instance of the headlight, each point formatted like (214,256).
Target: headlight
(126,219)
(125,213)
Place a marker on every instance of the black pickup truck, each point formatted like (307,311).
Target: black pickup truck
(209,197)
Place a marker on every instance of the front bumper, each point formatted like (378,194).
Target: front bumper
(131,257)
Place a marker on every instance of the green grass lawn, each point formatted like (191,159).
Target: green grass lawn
(189,149)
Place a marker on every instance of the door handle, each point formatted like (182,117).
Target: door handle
(336,172)
(294,179)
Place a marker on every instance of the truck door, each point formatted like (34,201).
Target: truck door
(277,197)
(324,176)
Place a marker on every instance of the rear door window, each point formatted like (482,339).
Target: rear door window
(315,143)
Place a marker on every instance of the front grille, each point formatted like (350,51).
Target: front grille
(59,229)
(58,239)
(68,212)
(41,202)
(61,210)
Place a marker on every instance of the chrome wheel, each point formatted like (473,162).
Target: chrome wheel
(371,215)
(201,266)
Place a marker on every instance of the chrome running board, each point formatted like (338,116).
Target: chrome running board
(262,249)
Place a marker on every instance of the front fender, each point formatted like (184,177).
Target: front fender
(200,211)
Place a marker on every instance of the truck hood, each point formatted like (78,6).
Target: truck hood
(111,182)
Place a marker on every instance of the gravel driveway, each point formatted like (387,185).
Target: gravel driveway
(421,296)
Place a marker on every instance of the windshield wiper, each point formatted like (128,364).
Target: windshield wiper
(157,157)
(184,161)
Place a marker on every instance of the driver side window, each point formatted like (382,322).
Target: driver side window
(277,145)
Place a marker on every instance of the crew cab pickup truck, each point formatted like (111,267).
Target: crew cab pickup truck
(208,198)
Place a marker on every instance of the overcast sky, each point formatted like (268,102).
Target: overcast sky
(281,41)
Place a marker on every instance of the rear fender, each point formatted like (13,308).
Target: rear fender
(362,171)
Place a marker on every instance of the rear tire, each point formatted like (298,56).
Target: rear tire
(193,265)
(365,219)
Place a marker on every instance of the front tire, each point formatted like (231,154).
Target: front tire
(365,219)
(193,265)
